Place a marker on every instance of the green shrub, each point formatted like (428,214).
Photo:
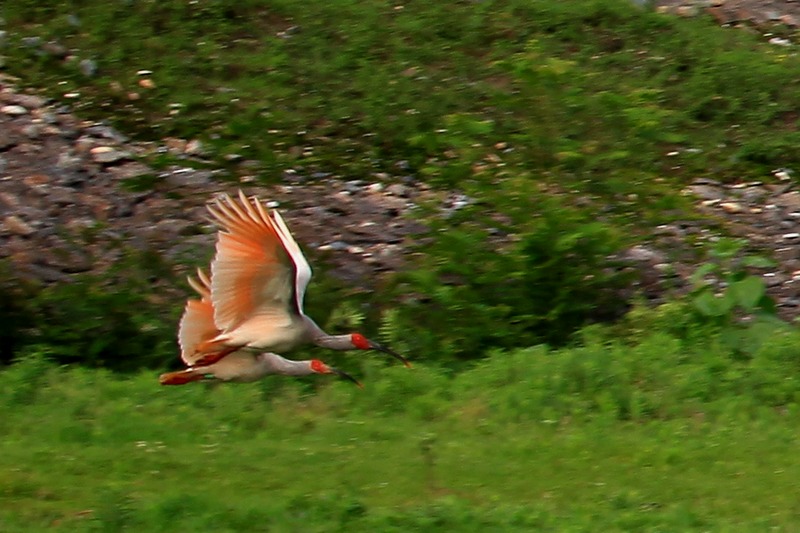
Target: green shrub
(114,320)
(471,292)
(16,315)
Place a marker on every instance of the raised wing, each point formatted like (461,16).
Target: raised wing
(197,323)
(302,268)
(253,276)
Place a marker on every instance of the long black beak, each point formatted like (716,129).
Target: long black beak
(346,376)
(375,346)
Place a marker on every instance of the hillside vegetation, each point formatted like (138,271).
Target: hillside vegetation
(570,127)
(545,394)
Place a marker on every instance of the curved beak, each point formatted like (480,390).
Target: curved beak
(345,375)
(379,347)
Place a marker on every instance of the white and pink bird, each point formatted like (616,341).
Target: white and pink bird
(252,305)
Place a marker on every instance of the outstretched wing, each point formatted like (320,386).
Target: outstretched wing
(256,285)
(197,323)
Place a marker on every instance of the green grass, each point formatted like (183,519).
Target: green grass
(655,436)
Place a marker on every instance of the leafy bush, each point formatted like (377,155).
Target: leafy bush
(113,320)
(15,312)
(472,292)
(727,293)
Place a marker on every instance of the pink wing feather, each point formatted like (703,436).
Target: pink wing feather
(259,274)
(197,323)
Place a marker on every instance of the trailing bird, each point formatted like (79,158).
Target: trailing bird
(197,325)
(255,294)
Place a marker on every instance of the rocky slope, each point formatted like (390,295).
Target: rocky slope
(68,200)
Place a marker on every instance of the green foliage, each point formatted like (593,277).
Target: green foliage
(470,294)
(604,435)
(112,320)
(662,377)
(726,291)
(15,313)
(30,373)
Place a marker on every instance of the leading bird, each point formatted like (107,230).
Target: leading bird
(197,325)
(258,280)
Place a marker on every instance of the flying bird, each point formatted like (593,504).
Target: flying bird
(255,294)
(197,325)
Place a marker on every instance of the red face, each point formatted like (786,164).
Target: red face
(360,341)
(319,367)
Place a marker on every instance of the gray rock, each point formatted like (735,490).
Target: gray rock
(397,189)
(88,67)
(644,254)
(13,110)
(707,192)
(130,169)
(188,177)
(61,195)
(108,155)
(106,132)
(789,200)
(7,140)
(16,226)
(353,186)
(28,101)
(335,245)
(48,117)
(55,49)
(46,273)
(31,42)
(32,131)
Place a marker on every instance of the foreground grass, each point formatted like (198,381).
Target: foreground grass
(521,442)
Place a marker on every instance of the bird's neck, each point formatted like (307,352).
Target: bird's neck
(320,338)
(335,342)
(275,364)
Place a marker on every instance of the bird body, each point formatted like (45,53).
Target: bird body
(241,365)
(252,305)
(258,280)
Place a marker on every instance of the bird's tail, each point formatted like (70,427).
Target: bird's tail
(180,377)
(210,358)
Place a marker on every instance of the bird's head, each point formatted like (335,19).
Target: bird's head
(360,342)
(319,367)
